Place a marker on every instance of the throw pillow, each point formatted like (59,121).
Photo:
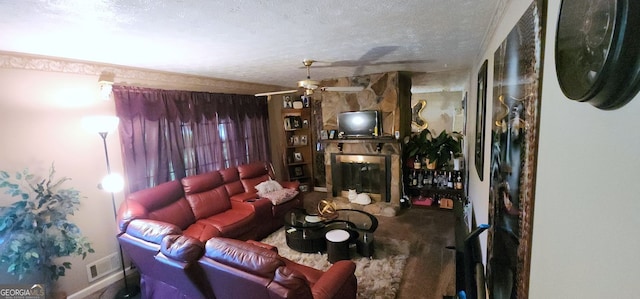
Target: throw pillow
(280,196)
(268,186)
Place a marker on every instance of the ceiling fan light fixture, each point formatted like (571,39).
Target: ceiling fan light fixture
(308,84)
(311,85)
(342,88)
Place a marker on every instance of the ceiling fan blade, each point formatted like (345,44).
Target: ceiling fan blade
(275,92)
(343,88)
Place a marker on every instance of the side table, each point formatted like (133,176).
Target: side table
(337,245)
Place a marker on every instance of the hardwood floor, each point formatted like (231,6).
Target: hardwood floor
(430,271)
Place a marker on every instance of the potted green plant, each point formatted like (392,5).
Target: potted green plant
(444,147)
(438,150)
(416,144)
(35,231)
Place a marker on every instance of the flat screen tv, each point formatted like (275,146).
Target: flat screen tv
(366,123)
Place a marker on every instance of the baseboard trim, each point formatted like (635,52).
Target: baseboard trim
(101,284)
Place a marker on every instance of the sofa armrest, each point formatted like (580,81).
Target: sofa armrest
(151,230)
(244,197)
(182,248)
(333,279)
(290,184)
(242,205)
(129,211)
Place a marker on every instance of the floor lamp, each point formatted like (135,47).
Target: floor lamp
(112,183)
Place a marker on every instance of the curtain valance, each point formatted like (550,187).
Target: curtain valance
(186,106)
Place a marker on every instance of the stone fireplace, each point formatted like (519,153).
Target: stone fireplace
(373,165)
(362,173)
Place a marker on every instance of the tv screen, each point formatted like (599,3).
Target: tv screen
(359,123)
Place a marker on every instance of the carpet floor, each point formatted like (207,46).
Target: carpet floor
(377,278)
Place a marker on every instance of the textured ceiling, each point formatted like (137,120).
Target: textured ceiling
(257,41)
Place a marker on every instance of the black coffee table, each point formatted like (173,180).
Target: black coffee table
(306,232)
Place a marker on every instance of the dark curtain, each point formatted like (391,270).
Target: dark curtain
(168,134)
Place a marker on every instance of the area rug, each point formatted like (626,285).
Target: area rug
(377,278)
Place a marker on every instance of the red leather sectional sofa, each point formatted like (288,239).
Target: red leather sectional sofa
(164,230)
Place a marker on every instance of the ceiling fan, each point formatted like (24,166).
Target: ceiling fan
(310,86)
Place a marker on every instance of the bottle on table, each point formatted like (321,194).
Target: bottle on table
(458,181)
(414,178)
(416,163)
(427,179)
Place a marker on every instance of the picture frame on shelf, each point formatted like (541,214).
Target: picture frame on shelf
(296,122)
(305,123)
(291,141)
(287,124)
(296,140)
(297,157)
(324,134)
(333,134)
(303,140)
(286,101)
(297,171)
(305,101)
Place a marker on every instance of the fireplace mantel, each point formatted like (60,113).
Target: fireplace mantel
(380,141)
(362,140)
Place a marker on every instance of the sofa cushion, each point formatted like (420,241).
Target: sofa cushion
(201,182)
(252,170)
(158,196)
(164,202)
(178,212)
(244,256)
(231,223)
(206,194)
(231,180)
(151,230)
(201,231)
(252,175)
(209,203)
(182,248)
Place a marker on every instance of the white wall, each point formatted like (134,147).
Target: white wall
(443,110)
(41,116)
(585,239)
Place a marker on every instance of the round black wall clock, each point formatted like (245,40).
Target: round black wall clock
(598,51)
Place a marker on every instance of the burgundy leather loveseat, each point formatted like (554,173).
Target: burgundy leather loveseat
(194,210)
(238,269)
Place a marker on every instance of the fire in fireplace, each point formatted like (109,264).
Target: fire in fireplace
(365,173)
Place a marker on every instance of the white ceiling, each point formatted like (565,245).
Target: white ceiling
(258,41)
